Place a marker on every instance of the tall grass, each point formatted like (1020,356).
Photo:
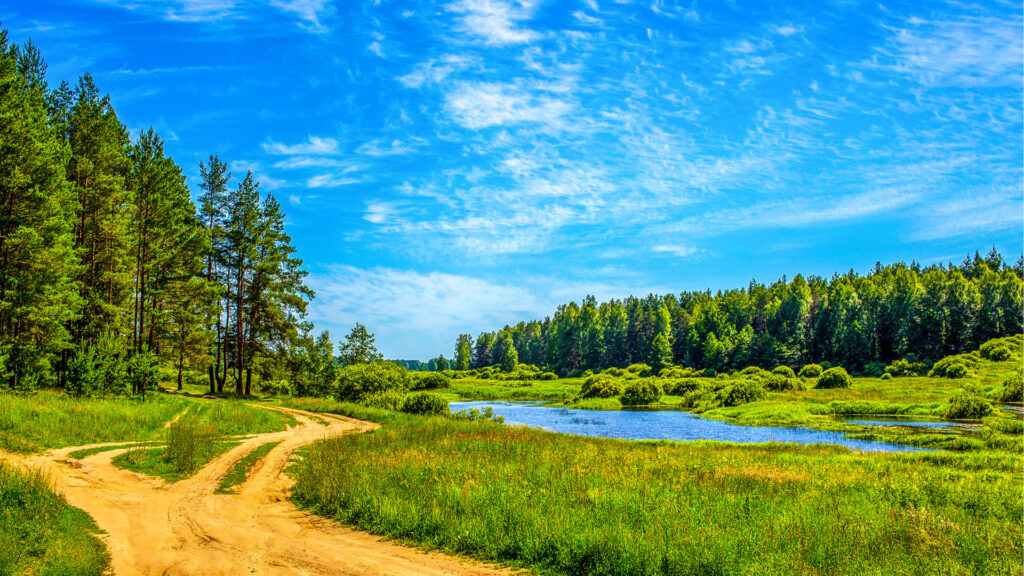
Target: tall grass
(30,423)
(40,534)
(190,444)
(570,505)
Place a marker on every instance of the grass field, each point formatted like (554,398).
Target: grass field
(570,505)
(40,534)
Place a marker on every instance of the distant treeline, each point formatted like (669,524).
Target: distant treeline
(896,311)
(110,278)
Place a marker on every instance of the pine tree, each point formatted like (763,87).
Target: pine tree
(213,206)
(358,348)
(38,267)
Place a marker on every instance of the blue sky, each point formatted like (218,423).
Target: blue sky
(460,165)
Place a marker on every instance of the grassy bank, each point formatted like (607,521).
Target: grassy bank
(35,422)
(240,471)
(40,534)
(570,505)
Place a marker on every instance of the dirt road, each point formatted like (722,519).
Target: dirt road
(153,528)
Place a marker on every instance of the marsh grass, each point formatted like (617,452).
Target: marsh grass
(40,534)
(240,471)
(569,505)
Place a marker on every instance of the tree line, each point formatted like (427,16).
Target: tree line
(895,311)
(111,278)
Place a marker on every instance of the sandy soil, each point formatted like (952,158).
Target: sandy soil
(153,528)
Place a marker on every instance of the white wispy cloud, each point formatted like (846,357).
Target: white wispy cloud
(331,181)
(967,51)
(496,22)
(315,146)
(422,312)
(478,105)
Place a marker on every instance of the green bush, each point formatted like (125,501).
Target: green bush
(909,366)
(600,386)
(811,371)
(874,369)
(673,372)
(967,405)
(779,383)
(834,378)
(547,376)
(431,381)
(784,371)
(742,392)
(613,371)
(957,370)
(680,386)
(1002,349)
(1013,391)
(359,380)
(426,403)
(942,367)
(384,400)
(886,376)
(641,370)
(641,392)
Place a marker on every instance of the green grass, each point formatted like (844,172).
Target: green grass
(36,422)
(85,453)
(41,535)
(155,462)
(240,471)
(569,505)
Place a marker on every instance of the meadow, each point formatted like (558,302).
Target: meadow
(571,505)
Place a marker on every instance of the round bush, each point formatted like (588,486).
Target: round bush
(359,380)
(642,370)
(600,387)
(613,371)
(426,403)
(1000,354)
(640,393)
(967,406)
(779,383)
(811,371)
(886,376)
(547,376)
(784,371)
(834,378)
(386,400)
(957,370)
(744,391)
(431,381)
(1013,391)
(679,387)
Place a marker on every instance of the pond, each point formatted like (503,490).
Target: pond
(924,424)
(663,425)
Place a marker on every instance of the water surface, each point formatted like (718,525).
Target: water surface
(663,425)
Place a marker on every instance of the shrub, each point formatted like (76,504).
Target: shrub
(642,370)
(673,372)
(613,371)
(825,365)
(834,378)
(679,387)
(1001,349)
(709,373)
(384,400)
(431,381)
(811,371)
(474,415)
(886,376)
(1013,391)
(957,370)
(742,392)
(874,369)
(906,367)
(966,405)
(779,383)
(784,371)
(942,367)
(359,380)
(641,392)
(547,376)
(426,403)
(600,386)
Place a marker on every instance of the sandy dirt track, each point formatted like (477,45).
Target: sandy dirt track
(153,528)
